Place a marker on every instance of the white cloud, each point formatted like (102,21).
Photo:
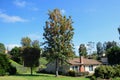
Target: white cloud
(20,3)
(10,46)
(34,36)
(62,11)
(11,19)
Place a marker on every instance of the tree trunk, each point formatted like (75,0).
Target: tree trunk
(31,70)
(57,68)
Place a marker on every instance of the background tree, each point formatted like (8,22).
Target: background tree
(58,34)
(100,49)
(113,55)
(82,50)
(119,31)
(16,55)
(36,44)
(26,42)
(31,57)
(108,45)
(2,48)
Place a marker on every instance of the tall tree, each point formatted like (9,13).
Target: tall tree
(58,34)
(26,42)
(2,48)
(100,49)
(31,57)
(82,50)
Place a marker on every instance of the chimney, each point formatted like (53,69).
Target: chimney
(81,59)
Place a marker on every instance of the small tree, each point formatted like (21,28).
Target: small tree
(16,55)
(31,57)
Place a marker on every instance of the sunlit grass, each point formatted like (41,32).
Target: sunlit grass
(40,77)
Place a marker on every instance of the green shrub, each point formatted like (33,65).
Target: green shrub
(12,70)
(117,70)
(4,64)
(2,71)
(104,72)
(93,78)
(71,73)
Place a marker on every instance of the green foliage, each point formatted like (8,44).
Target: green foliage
(58,34)
(117,70)
(4,64)
(71,73)
(82,50)
(93,78)
(12,70)
(36,44)
(31,57)
(2,48)
(26,42)
(16,54)
(105,72)
(108,45)
(113,55)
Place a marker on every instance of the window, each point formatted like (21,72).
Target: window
(91,68)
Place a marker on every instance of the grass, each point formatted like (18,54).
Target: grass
(20,68)
(40,77)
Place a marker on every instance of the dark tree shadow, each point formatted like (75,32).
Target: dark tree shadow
(43,75)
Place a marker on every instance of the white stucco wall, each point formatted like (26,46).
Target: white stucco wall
(51,67)
(87,68)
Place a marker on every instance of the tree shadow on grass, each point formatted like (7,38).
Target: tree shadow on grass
(42,75)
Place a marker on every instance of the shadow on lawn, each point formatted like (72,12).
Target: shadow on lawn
(42,75)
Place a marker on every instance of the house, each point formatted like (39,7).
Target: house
(83,64)
(77,64)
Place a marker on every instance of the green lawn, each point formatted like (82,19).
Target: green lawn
(40,77)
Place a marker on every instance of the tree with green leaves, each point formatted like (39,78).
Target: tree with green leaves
(82,50)
(58,34)
(16,54)
(113,55)
(31,57)
(2,48)
(36,44)
(109,44)
(26,42)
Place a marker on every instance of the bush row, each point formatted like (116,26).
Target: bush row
(106,72)
(75,74)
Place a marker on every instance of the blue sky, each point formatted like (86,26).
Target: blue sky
(94,20)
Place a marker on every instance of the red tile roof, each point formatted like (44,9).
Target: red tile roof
(76,61)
